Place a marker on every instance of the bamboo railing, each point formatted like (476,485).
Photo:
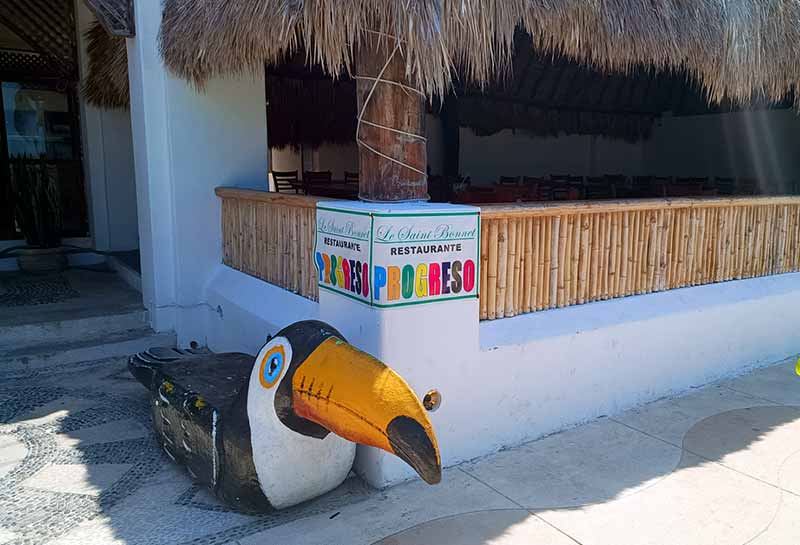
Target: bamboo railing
(270,236)
(543,256)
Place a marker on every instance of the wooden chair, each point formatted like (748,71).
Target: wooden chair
(616,182)
(312,178)
(566,187)
(687,187)
(508,180)
(660,184)
(538,189)
(317,177)
(286,181)
(351,177)
(437,189)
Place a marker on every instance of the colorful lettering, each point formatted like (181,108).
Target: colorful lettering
(327,260)
(408,282)
(445,277)
(380,281)
(320,266)
(365,279)
(434,282)
(339,274)
(393,283)
(469,275)
(346,271)
(455,286)
(422,280)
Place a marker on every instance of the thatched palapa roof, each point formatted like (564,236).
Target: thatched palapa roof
(306,107)
(106,84)
(735,48)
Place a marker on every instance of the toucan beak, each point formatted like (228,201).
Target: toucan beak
(360,399)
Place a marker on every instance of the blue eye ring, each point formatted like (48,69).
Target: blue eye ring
(272,366)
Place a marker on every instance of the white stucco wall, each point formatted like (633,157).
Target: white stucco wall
(516,153)
(108,164)
(562,367)
(186,143)
(338,158)
(508,381)
(286,159)
(243,310)
(762,144)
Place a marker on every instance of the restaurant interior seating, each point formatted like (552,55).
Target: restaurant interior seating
(556,187)
(508,180)
(286,181)
(317,177)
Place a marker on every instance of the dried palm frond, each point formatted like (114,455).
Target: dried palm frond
(106,83)
(735,48)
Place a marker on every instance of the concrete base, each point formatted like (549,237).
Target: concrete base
(244,310)
(536,374)
(551,370)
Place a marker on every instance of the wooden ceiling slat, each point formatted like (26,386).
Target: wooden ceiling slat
(48,26)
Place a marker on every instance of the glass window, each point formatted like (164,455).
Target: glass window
(38,122)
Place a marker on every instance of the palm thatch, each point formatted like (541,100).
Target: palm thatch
(735,48)
(106,84)
(302,112)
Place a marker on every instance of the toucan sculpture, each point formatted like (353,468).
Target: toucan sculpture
(280,430)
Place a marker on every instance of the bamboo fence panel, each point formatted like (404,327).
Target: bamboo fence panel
(543,256)
(535,257)
(271,236)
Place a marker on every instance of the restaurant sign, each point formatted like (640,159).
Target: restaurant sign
(398,258)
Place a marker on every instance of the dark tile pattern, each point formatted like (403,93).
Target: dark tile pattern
(39,516)
(17,290)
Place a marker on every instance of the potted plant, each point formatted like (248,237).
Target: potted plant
(37,204)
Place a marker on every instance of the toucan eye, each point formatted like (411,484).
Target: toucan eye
(272,366)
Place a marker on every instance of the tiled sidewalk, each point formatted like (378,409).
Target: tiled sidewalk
(78,465)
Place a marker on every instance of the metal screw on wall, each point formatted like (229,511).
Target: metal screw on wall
(432,400)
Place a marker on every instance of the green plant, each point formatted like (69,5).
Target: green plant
(37,202)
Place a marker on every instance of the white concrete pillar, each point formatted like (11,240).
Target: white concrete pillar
(108,161)
(186,143)
(425,327)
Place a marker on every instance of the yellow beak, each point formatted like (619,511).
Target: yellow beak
(360,399)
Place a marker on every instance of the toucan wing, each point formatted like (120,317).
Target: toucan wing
(193,395)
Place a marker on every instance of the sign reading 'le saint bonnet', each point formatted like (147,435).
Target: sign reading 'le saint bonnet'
(396,258)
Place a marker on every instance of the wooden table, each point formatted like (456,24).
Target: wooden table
(335,189)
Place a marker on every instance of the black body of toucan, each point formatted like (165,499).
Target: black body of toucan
(278,429)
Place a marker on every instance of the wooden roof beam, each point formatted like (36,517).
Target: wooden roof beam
(116,16)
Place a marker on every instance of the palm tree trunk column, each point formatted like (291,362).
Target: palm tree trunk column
(391,127)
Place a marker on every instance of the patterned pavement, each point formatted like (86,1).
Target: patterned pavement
(76,446)
(79,465)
